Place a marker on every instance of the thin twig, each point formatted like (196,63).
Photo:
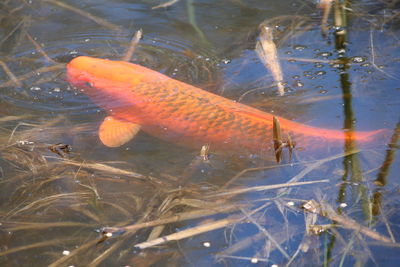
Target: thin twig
(39,48)
(266,233)
(99,259)
(134,42)
(96,19)
(371,43)
(22,22)
(10,74)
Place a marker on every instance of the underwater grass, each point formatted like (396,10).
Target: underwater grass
(170,206)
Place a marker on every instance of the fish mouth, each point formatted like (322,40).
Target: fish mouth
(77,77)
(77,73)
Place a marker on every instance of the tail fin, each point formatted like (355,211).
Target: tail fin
(377,136)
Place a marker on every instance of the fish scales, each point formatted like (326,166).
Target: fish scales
(207,119)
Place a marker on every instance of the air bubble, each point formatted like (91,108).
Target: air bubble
(324,54)
(207,244)
(299,47)
(357,59)
(299,84)
(341,51)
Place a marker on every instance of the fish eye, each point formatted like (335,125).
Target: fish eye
(88,84)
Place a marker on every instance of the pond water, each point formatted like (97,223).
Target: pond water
(68,200)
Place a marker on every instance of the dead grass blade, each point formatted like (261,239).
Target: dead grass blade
(178,217)
(73,253)
(106,168)
(40,203)
(166,4)
(46,243)
(99,259)
(41,225)
(267,52)
(17,8)
(134,42)
(10,74)
(14,118)
(116,245)
(263,188)
(240,245)
(241,173)
(85,14)
(33,73)
(189,232)
(83,210)
(314,165)
(248,259)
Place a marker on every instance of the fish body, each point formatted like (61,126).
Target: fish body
(136,98)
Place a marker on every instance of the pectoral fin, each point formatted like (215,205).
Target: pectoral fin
(114,132)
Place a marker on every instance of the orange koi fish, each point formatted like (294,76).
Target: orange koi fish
(137,98)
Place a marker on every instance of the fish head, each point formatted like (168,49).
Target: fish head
(109,83)
(86,71)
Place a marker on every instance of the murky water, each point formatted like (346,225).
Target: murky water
(55,203)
